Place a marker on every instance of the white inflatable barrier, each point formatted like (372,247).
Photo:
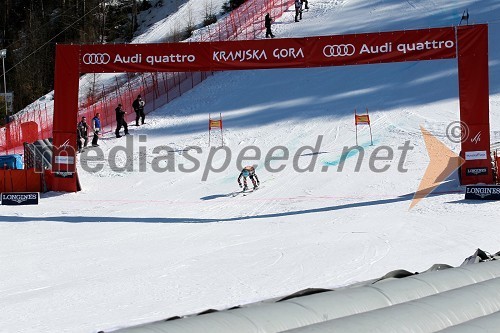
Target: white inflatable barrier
(425,302)
(427,314)
(486,324)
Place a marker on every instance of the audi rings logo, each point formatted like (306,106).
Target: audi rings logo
(96,58)
(340,50)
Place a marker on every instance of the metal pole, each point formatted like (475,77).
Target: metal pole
(356,126)
(221,134)
(3,54)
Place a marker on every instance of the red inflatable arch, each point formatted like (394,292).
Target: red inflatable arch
(468,43)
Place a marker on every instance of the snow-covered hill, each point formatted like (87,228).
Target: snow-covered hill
(142,245)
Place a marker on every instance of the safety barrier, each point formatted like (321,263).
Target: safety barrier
(157,89)
(26,180)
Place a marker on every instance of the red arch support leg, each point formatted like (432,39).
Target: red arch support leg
(474,103)
(66,84)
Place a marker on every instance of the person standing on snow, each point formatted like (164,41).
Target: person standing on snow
(78,140)
(298,10)
(96,126)
(248,171)
(83,128)
(267,24)
(138,106)
(120,121)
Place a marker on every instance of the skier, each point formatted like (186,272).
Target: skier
(138,106)
(248,171)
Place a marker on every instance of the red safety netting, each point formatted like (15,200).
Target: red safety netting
(157,89)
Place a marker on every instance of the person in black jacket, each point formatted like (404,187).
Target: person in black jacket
(138,106)
(120,121)
(83,128)
(267,24)
(78,140)
(298,10)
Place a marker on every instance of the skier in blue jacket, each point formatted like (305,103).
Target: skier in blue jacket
(248,171)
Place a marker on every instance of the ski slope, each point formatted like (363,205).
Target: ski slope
(143,245)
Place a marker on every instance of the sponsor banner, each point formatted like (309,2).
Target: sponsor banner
(174,57)
(476,171)
(482,192)
(476,155)
(64,151)
(482,171)
(61,174)
(395,46)
(64,159)
(284,53)
(20,198)
(410,45)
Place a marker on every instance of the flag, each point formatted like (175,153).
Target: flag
(362,119)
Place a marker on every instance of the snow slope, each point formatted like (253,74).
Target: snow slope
(142,245)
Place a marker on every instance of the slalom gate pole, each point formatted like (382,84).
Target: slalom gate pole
(221,132)
(356,127)
(370,125)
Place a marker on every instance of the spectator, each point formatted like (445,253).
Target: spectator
(138,106)
(306,4)
(298,10)
(78,140)
(120,121)
(96,127)
(268,21)
(83,128)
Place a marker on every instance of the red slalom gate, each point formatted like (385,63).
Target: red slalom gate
(468,43)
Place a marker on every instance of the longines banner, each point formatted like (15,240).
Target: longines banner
(482,192)
(20,198)
(437,43)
